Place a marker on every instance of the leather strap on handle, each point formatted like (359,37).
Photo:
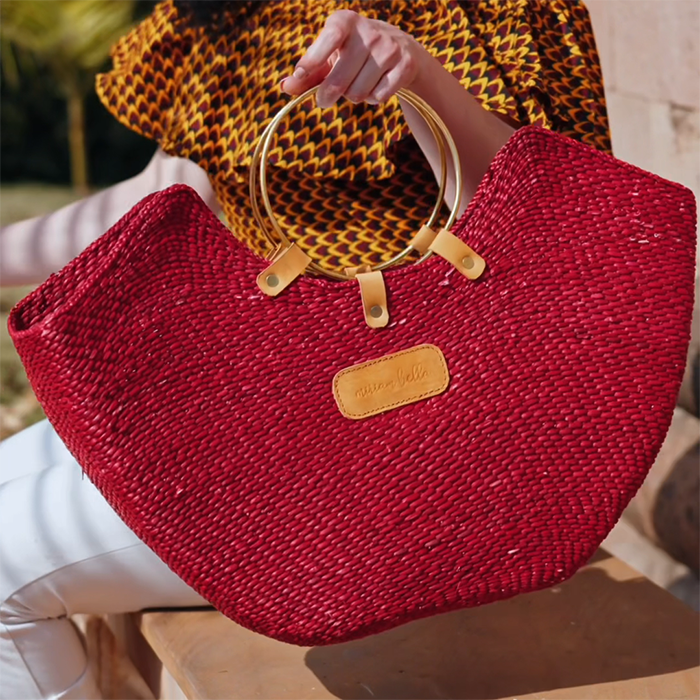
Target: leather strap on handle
(374,300)
(373,292)
(422,240)
(457,252)
(286,266)
(450,248)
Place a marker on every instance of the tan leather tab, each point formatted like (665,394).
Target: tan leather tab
(354,271)
(284,269)
(457,252)
(395,380)
(422,240)
(374,301)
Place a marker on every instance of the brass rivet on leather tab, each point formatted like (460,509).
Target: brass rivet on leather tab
(374,301)
(467,261)
(287,265)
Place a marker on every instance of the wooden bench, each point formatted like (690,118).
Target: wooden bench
(607,634)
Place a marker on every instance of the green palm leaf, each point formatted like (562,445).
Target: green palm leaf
(72,39)
(77,33)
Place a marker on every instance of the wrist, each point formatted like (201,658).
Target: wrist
(429,70)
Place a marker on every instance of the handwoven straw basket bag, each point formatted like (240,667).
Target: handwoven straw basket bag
(327,454)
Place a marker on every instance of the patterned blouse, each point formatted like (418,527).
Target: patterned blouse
(349,183)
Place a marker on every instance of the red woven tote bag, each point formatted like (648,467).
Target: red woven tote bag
(318,479)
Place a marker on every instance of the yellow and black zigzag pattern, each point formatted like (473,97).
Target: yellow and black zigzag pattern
(350,184)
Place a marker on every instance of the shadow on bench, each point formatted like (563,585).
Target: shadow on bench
(607,633)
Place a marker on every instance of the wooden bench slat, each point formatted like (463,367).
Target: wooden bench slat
(607,634)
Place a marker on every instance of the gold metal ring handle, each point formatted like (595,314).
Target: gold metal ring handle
(259,170)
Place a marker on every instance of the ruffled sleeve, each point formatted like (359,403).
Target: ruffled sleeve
(535,61)
(147,66)
(208,95)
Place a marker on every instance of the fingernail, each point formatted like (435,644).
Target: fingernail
(299,73)
(282,82)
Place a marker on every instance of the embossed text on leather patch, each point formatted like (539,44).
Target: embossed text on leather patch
(394,380)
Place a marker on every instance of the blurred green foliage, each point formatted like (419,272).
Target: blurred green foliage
(34,137)
(34,133)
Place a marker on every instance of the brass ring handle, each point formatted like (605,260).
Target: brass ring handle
(259,170)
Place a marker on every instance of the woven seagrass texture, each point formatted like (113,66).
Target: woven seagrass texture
(203,410)
(348,181)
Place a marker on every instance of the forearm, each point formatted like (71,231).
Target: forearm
(31,250)
(478,134)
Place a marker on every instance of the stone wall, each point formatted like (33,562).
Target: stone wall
(650,53)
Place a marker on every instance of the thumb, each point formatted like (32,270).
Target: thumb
(302,80)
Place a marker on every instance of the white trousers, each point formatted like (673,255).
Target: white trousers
(63,551)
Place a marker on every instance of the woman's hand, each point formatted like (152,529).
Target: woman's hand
(362,59)
(368,60)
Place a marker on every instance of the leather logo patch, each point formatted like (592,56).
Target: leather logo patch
(395,380)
